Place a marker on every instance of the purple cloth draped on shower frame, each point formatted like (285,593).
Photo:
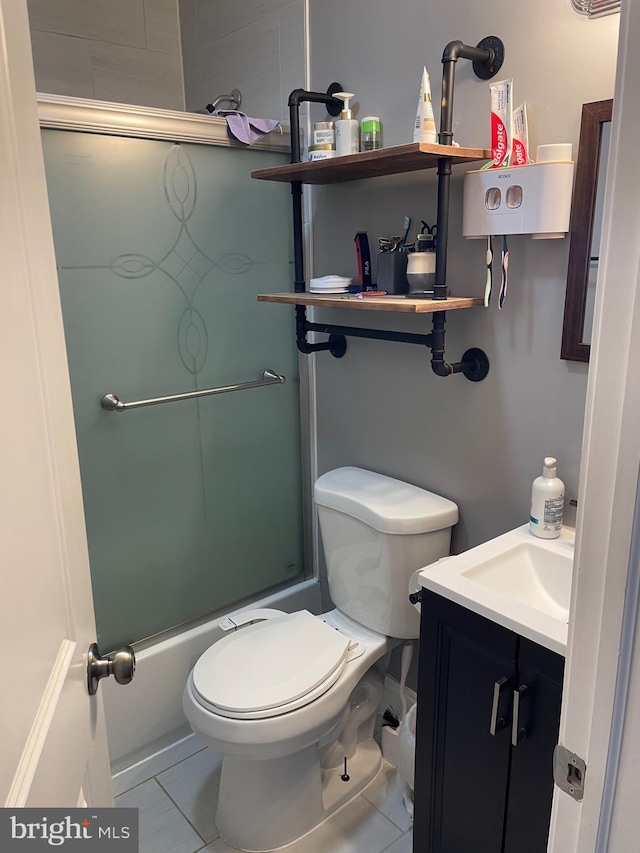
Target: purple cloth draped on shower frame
(246,129)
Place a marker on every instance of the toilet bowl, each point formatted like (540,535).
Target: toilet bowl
(298,701)
(285,742)
(290,700)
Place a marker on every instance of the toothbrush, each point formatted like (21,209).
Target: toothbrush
(406,225)
(489,282)
(505,272)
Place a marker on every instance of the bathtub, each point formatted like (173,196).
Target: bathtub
(146,715)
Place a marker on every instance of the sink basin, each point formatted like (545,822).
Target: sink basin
(516,580)
(534,575)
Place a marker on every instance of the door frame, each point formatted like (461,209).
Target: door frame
(52,696)
(596,683)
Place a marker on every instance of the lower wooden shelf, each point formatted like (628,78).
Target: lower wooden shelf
(400,304)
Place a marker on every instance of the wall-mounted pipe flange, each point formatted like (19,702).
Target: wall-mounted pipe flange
(485,70)
(337,345)
(335,107)
(480,363)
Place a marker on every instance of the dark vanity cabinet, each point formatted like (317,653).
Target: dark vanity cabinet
(487,724)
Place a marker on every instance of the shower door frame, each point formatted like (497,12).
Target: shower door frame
(83,115)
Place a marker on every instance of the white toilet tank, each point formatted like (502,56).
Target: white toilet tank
(376,532)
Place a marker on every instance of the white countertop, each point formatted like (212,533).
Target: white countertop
(516,580)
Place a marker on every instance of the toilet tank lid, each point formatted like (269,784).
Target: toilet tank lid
(386,504)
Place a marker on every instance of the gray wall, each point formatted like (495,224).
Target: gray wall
(127,51)
(256,46)
(381,407)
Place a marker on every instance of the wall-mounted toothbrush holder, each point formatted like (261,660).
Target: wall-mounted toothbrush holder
(532,199)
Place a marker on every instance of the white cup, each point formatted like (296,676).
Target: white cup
(559,152)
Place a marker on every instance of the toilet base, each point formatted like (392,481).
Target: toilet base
(260,811)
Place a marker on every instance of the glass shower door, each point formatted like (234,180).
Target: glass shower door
(161,250)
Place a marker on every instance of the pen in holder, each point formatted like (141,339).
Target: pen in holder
(392,272)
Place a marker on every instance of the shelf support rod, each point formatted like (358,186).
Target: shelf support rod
(487,58)
(373,334)
(474,364)
(334,106)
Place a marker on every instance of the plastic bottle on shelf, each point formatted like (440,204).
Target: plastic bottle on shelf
(324,133)
(370,133)
(347,130)
(424,129)
(547,502)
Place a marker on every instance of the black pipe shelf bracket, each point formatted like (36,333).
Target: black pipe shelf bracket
(487,58)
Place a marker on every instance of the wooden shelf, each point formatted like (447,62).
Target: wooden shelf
(374,303)
(371,164)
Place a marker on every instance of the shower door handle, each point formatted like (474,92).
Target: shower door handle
(121,664)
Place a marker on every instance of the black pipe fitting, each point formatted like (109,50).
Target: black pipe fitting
(300,96)
(452,51)
(482,56)
(474,365)
(441,368)
(297,97)
(438,364)
(458,50)
(487,60)
(336,344)
(307,348)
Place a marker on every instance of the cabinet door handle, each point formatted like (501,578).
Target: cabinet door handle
(518,734)
(498,723)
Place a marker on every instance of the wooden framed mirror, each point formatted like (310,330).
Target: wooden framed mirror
(585,228)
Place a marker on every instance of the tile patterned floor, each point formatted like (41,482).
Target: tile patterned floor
(176,791)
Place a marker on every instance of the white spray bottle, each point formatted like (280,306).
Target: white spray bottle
(425,126)
(547,502)
(347,130)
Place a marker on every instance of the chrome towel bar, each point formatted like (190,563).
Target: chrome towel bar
(112,403)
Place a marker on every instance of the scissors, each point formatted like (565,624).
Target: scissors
(427,237)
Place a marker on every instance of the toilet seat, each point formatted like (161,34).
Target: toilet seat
(271,667)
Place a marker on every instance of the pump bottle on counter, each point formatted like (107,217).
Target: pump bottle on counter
(547,502)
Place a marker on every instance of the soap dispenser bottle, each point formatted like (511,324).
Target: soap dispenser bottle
(347,131)
(547,502)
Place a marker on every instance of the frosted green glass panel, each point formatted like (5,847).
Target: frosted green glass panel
(161,251)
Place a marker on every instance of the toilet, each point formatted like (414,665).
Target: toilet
(290,699)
